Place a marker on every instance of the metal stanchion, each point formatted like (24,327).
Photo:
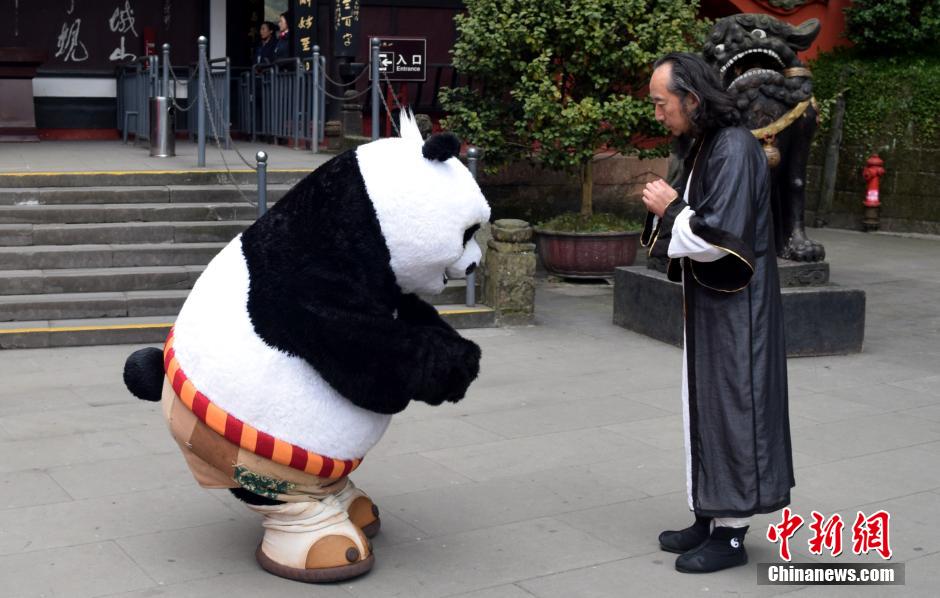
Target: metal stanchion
(201,101)
(253,101)
(473,155)
(322,91)
(315,99)
(166,71)
(374,65)
(262,159)
(297,109)
(162,117)
(226,92)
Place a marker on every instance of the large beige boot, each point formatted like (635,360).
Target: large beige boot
(362,511)
(313,542)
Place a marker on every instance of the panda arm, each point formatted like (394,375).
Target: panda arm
(413,310)
(380,363)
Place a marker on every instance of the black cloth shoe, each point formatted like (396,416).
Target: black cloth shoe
(686,539)
(723,549)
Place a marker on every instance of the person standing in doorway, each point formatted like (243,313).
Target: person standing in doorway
(716,231)
(264,52)
(283,48)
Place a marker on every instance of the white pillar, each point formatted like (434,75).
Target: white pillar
(217,28)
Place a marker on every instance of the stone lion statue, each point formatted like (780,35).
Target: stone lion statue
(755,55)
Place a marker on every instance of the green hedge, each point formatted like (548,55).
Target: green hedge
(890,102)
(880,27)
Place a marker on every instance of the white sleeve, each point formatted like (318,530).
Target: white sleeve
(685,243)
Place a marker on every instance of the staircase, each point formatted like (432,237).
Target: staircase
(112,262)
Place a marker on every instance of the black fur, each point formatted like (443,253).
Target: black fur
(468,234)
(322,288)
(143,374)
(441,147)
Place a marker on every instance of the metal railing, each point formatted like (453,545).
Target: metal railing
(137,82)
(314,98)
(219,92)
(283,99)
(275,101)
(278,110)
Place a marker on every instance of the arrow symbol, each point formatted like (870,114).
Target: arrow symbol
(385,62)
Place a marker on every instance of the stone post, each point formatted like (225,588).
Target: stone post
(425,125)
(333,135)
(352,114)
(509,285)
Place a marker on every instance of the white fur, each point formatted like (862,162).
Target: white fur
(408,126)
(282,395)
(423,207)
(471,256)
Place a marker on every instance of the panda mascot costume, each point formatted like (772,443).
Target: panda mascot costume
(305,334)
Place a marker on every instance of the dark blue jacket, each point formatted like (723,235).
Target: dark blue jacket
(283,48)
(264,51)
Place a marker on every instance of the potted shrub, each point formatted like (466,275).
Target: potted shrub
(558,81)
(579,246)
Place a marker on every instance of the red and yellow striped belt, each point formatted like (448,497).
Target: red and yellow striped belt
(241,434)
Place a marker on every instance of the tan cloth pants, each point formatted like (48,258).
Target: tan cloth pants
(217,463)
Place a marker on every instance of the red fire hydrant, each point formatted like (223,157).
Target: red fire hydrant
(873,171)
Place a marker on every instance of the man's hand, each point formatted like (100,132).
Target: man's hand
(657,195)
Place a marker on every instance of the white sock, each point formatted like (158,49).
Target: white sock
(731,521)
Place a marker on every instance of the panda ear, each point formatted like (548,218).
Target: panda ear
(441,147)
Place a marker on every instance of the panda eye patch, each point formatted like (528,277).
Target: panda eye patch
(468,234)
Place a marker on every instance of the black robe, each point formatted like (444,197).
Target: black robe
(738,424)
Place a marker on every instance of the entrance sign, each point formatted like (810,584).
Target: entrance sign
(403,58)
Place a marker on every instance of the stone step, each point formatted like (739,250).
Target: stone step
(144,212)
(84,332)
(20,235)
(136,194)
(244,177)
(43,257)
(463,317)
(142,278)
(98,280)
(62,306)
(154,329)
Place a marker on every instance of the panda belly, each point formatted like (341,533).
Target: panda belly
(280,394)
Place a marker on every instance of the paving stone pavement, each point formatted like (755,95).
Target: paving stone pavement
(551,479)
(92,156)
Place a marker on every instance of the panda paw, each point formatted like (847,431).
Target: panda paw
(464,371)
(457,364)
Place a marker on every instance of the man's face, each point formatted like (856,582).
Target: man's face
(265,32)
(669,108)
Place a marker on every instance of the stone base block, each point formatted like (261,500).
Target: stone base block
(803,274)
(819,320)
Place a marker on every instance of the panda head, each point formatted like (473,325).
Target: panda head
(428,206)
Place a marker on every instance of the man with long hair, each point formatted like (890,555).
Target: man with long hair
(716,231)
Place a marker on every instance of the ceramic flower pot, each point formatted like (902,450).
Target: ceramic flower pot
(586,255)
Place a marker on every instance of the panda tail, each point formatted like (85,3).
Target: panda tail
(143,374)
